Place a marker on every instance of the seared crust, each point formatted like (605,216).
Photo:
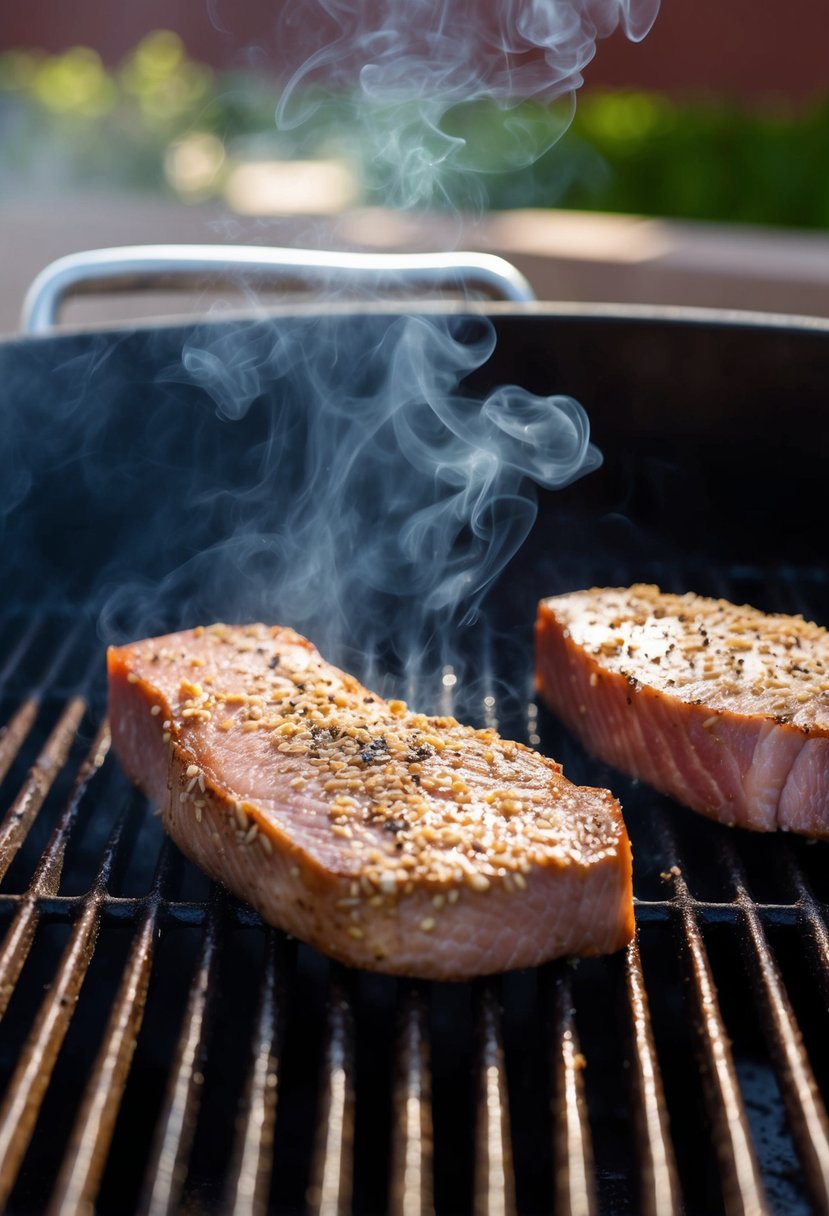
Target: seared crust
(385,838)
(721,706)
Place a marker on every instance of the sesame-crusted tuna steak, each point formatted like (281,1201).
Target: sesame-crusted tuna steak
(385,838)
(725,708)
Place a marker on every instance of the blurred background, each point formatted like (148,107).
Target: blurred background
(694,170)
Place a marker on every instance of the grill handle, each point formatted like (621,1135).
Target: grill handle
(183,267)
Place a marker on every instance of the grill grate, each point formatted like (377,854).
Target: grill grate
(161,1050)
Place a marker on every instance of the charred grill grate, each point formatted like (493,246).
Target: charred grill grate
(160,1049)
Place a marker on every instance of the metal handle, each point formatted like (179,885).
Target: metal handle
(179,267)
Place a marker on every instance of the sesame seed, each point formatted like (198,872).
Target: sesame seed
(192,770)
(477,881)
(155,711)
(427,924)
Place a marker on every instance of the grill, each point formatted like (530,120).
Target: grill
(161,1050)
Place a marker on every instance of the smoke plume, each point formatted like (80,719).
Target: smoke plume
(434,86)
(385,497)
(380,498)
(338,472)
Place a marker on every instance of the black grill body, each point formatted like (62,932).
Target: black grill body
(161,1050)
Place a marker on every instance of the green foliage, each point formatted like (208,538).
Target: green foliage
(65,120)
(705,160)
(161,121)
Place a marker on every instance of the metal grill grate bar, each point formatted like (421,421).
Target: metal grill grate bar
(18,939)
(572,1151)
(250,1181)
(659,1185)
(743,1191)
(27,1088)
(330,1191)
(167,1169)
(811,919)
(494,1180)
(807,1114)
(39,781)
(13,735)
(411,1164)
(85,1159)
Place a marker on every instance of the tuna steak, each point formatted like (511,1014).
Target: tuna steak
(385,838)
(724,708)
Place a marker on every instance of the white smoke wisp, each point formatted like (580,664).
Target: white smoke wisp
(405,72)
(382,497)
(412,495)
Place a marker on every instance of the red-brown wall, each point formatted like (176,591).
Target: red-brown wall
(746,48)
(743,48)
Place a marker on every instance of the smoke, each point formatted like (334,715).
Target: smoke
(411,495)
(363,478)
(381,497)
(437,89)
